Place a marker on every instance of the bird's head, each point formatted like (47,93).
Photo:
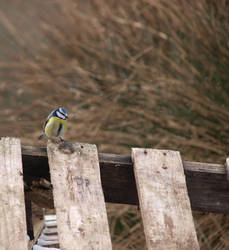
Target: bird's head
(61,113)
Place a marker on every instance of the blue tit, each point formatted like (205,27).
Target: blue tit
(55,124)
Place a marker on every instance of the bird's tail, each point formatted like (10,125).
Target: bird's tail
(41,136)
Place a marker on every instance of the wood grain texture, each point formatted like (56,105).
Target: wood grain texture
(12,208)
(78,196)
(207,183)
(164,202)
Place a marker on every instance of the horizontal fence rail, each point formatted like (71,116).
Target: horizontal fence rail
(207,184)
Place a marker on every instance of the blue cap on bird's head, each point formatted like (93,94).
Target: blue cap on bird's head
(61,113)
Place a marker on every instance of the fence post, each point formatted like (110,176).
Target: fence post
(78,196)
(12,206)
(164,202)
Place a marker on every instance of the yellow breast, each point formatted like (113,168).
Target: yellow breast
(55,127)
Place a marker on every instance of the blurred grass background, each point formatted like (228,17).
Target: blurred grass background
(140,73)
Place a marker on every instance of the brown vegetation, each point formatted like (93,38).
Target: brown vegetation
(131,73)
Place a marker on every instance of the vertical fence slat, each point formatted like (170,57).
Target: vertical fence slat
(164,202)
(78,196)
(29,220)
(12,207)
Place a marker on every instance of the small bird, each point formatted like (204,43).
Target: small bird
(55,124)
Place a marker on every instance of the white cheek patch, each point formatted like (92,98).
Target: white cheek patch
(60,115)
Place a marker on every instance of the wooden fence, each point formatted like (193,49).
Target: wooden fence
(78,193)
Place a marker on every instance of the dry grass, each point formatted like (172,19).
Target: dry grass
(139,73)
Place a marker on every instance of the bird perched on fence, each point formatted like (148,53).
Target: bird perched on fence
(55,124)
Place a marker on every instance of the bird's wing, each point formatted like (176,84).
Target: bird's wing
(47,119)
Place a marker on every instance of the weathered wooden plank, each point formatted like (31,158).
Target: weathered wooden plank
(38,226)
(164,202)
(35,155)
(12,207)
(78,196)
(227,168)
(207,184)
